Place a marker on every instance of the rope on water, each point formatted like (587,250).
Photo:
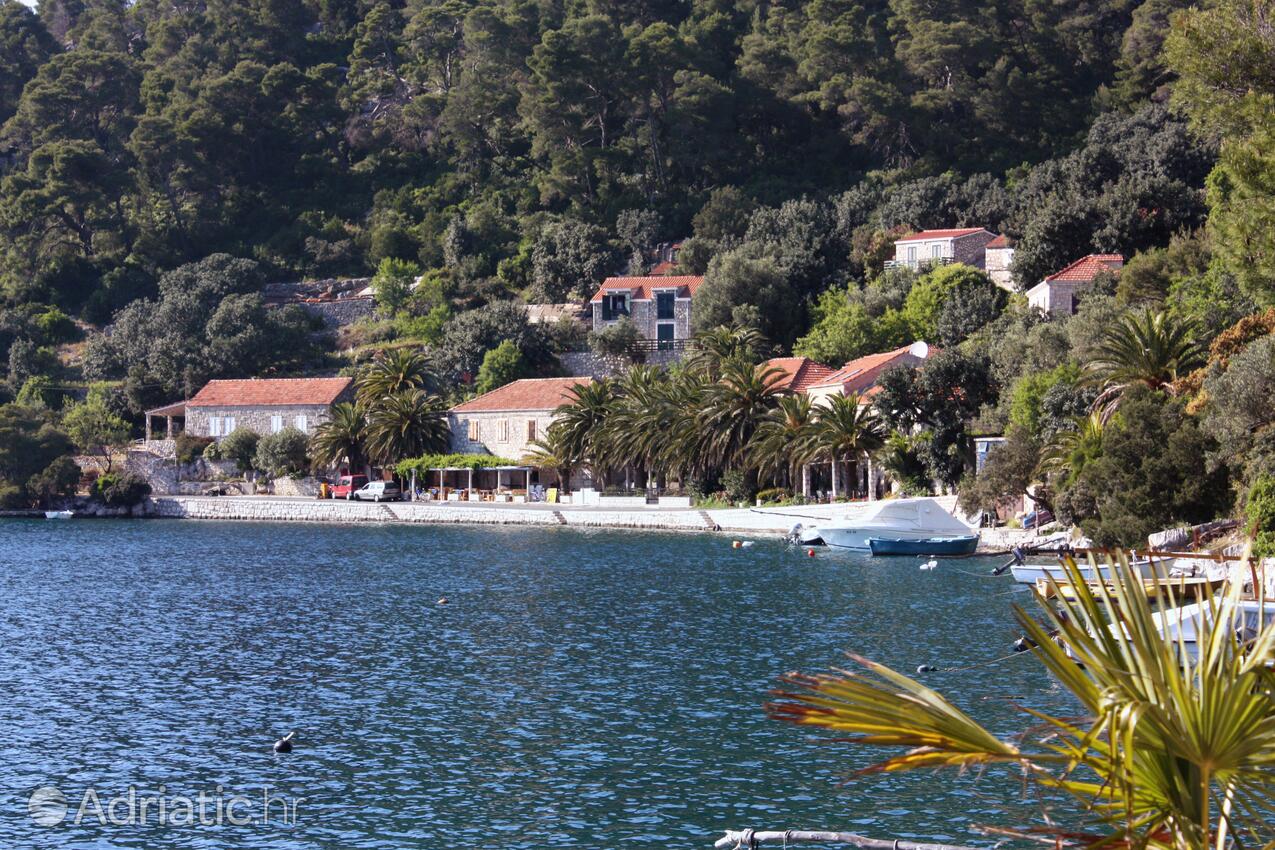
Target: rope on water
(926,668)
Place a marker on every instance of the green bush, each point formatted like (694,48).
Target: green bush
(212,451)
(13,497)
(617,340)
(59,478)
(240,445)
(774,494)
(282,453)
(738,486)
(1259,510)
(189,447)
(121,489)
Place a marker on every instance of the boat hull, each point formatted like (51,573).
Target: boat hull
(964,545)
(857,537)
(1032,573)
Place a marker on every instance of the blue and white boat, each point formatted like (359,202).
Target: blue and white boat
(960,545)
(893,519)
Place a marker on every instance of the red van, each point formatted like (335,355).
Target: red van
(346,485)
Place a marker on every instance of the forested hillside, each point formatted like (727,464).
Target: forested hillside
(518,143)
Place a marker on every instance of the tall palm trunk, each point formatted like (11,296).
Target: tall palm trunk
(834,477)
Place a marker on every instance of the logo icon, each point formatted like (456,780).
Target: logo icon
(47,806)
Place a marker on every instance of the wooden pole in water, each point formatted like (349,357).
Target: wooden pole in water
(748,838)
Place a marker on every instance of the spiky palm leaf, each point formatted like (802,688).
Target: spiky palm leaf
(396,371)
(1174,751)
(1069,450)
(845,430)
(1150,348)
(406,424)
(714,347)
(733,407)
(553,452)
(583,420)
(784,439)
(341,436)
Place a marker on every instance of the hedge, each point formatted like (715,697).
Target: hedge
(456,461)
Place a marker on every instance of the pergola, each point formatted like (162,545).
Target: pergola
(443,470)
(168,413)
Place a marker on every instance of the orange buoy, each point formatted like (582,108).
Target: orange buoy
(735,544)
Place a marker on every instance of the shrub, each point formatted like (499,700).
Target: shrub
(121,489)
(282,453)
(189,447)
(774,494)
(737,485)
(1260,513)
(12,496)
(59,478)
(212,451)
(617,340)
(240,445)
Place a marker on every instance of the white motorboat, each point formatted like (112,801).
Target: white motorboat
(897,519)
(1248,618)
(1146,568)
(58,514)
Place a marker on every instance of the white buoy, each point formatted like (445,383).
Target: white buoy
(930,565)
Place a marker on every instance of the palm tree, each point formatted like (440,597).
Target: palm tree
(552,452)
(340,437)
(1168,750)
(583,421)
(1148,348)
(395,371)
(732,409)
(406,424)
(713,347)
(783,441)
(846,430)
(1070,450)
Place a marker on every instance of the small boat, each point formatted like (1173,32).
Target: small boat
(1032,573)
(1173,587)
(58,514)
(962,545)
(894,519)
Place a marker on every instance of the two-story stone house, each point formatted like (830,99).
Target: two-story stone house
(659,306)
(506,421)
(919,251)
(265,405)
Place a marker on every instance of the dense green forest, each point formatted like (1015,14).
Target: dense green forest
(160,163)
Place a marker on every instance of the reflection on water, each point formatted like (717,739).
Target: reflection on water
(591,689)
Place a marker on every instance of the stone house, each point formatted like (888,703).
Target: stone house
(1059,293)
(506,421)
(659,306)
(928,248)
(859,376)
(998,257)
(265,405)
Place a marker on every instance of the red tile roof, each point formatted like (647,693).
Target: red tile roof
(1087,268)
(270,392)
(642,287)
(860,376)
(663,268)
(942,234)
(799,372)
(526,394)
(1001,241)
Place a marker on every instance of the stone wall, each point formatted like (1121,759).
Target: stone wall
(971,250)
(258,419)
(338,314)
(594,365)
(334,300)
(643,315)
(997,263)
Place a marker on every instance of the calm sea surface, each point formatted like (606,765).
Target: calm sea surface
(595,690)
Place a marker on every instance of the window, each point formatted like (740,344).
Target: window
(936,251)
(614,306)
(229,425)
(503,431)
(214,426)
(664,305)
(303,424)
(911,255)
(531,430)
(473,430)
(276,424)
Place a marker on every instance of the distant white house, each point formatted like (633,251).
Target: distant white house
(928,248)
(1059,293)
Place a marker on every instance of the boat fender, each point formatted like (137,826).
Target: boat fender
(925,668)
(1023,644)
(284,744)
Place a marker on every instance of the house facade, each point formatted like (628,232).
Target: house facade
(998,258)
(264,405)
(506,421)
(1059,294)
(859,376)
(659,306)
(929,248)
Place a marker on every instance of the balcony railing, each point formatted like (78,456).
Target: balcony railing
(926,263)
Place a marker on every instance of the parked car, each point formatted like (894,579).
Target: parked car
(1036,519)
(346,485)
(378,491)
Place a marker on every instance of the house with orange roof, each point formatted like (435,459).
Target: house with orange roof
(264,405)
(1059,293)
(798,373)
(929,248)
(507,420)
(659,306)
(998,258)
(859,376)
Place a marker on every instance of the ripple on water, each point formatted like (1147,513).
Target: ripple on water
(588,689)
